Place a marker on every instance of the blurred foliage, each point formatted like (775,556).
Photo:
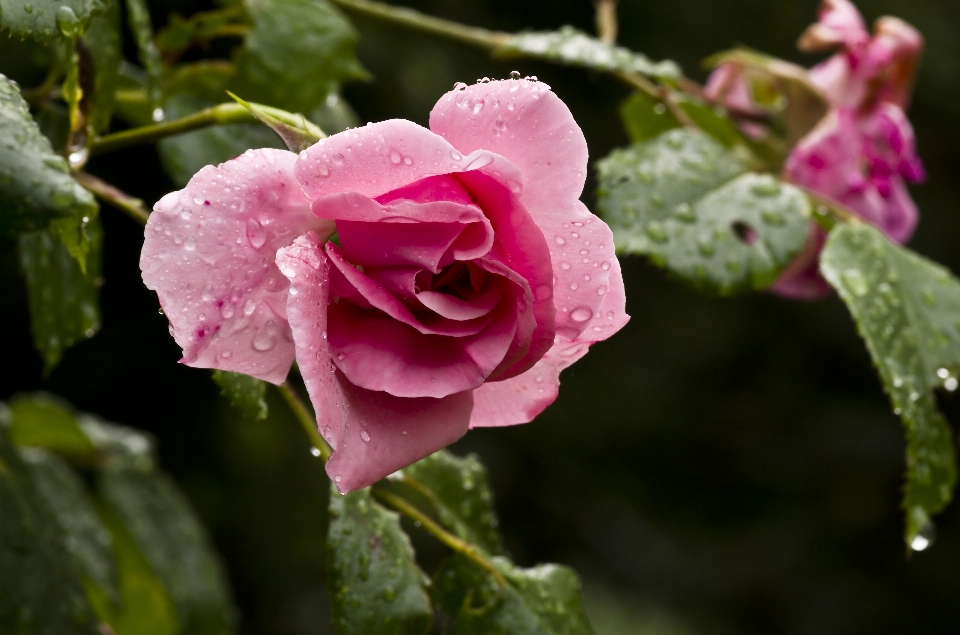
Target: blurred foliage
(727,466)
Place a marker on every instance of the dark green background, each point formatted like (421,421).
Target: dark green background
(720,466)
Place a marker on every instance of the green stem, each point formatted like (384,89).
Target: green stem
(474,36)
(835,210)
(132,206)
(219,115)
(308,421)
(433,528)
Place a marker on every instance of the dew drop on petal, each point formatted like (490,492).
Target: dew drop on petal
(581,314)
(256,234)
(560,240)
(365,436)
(394,157)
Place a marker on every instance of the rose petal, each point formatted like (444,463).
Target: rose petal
(528,125)
(374,160)
(372,433)
(839,24)
(209,252)
(801,280)
(520,399)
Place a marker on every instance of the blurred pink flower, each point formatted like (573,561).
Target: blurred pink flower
(863,151)
(465,276)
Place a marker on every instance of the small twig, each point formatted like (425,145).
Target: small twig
(605,17)
(307,420)
(457,544)
(132,206)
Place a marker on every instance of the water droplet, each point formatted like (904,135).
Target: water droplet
(315,452)
(456,156)
(341,356)
(226,354)
(560,240)
(855,282)
(256,234)
(249,307)
(772,217)
(78,157)
(337,478)
(207,294)
(337,159)
(28,8)
(190,244)
(765,186)
(685,213)
(601,290)
(951,383)
(514,75)
(67,21)
(459,86)
(924,537)
(605,265)
(293,290)
(365,436)
(157,115)
(266,337)
(500,125)
(544,292)
(478,106)
(574,286)
(407,161)
(394,157)
(581,314)
(324,171)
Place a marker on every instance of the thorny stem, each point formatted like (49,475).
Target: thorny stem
(132,206)
(606,20)
(221,114)
(431,526)
(306,420)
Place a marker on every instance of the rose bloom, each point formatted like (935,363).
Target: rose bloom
(863,152)
(426,281)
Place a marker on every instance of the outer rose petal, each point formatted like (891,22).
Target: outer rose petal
(372,433)
(209,253)
(520,399)
(801,280)
(374,160)
(530,126)
(839,24)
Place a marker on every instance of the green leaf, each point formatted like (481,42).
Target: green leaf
(144,606)
(685,201)
(645,117)
(35,183)
(179,34)
(297,52)
(296,138)
(44,421)
(907,310)
(64,301)
(459,490)
(40,591)
(165,529)
(376,587)
(85,537)
(182,156)
(103,41)
(44,19)
(576,48)
(544,600)
(138,18)
(247,394)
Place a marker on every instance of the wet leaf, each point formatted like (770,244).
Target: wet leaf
(687,202)
(41,420)
(544,600)
(907,309)
(246,393)
(40,590)
(64,301)
(459,490)
(138,18)
(375,585)
(35,183)
(103,41)
(43,19)
(576,48)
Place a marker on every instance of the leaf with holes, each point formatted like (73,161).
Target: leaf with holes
(544,600)
(245,393)
(35,183)
(907,310)
(40,590)
(64,301)
(375,584)
(576,48)
(687,202)
(42,19)
(459,491)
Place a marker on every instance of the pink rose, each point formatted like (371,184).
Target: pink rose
(863,152)
(465,276)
